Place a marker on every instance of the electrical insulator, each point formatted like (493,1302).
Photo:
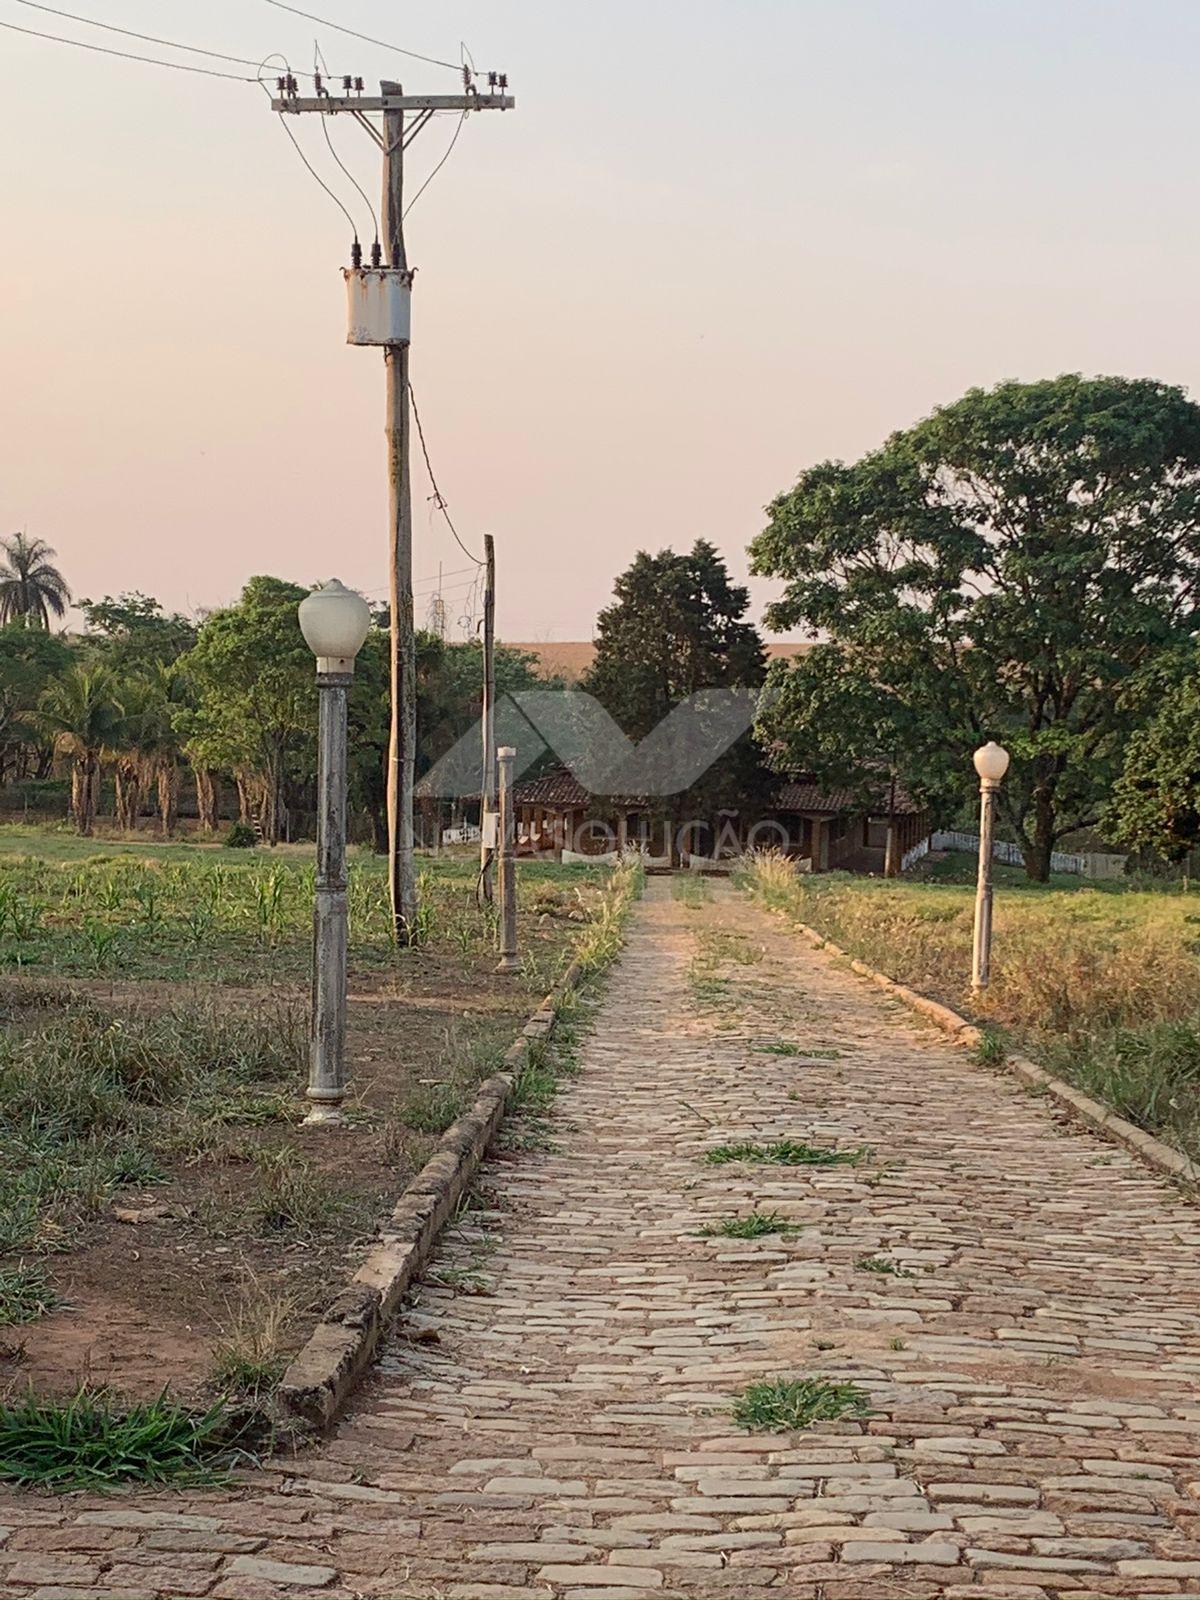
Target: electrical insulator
(358,86)
(491,80)
(466,77)
(356,255)
(504,80)
(281,84)
(346,86)
(376,254)
(317,81)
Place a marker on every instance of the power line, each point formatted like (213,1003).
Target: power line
(438,496)
(371,211)
(440,165)
(365,37)
(316,175)
(146,38)
(127,55)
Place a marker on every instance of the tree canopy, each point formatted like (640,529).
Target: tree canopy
(677,626)
(1155,804)
(997,571)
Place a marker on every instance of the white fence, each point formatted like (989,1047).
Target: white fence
(1088,864)
(910,857)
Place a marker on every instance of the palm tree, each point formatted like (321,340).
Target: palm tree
(82,712)
(31,589)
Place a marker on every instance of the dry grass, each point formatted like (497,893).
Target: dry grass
(1101,983)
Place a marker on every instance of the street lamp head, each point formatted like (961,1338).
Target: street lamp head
(334,621)
(991,761)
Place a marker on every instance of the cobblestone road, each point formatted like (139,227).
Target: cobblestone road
(556,1420)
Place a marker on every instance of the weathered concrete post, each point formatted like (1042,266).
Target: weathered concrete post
(991,763)
(334,621)
(508,863)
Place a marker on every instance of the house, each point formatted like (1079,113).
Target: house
(827,828)
(831,828)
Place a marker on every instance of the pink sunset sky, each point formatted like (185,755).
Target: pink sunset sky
(718,241)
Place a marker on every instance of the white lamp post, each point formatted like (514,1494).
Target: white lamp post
(991,763)
(334,621)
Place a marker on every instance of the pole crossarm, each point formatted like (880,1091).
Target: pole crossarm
(330,105)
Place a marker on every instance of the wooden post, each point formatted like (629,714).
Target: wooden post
(508,864)
(402,878)
(327,1034)
(487,791)
(981,954)
(622,831)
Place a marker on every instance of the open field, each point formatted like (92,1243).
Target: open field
(1100,982)
(163,1216)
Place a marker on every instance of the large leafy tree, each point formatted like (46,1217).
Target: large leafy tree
(1155,803)
(255,692)
(677,625)
(32,589)
(999,570)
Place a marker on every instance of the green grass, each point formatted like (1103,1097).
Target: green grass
(782,1404)
(784,1153)
(79,907)
(785,1047)
(755,1226)
(92,1442)
(24,1295)
(290,1196)
(92,1099)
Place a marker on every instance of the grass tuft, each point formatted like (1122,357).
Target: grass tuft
(882,1265)
(785,1153)
(250,1358)
(24,1295)
(781,1404)
(89,1442)
(756,1226)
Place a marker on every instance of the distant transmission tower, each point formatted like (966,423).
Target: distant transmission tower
(437,608)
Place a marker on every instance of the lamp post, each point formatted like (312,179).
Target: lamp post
(991,763)
(334,621)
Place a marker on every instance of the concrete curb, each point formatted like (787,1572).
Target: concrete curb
(323,1375)
(1163,1157)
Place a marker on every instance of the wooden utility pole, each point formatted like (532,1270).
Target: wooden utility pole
(402,877)
(398,130)
(487,788)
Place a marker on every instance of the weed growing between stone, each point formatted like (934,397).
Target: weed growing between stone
(785,1153)
(882,1265)
(91,1442)
(781,1404)
(756,1226)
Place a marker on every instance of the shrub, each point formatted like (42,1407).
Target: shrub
(240,837)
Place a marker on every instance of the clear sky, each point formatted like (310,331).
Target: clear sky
(717,241)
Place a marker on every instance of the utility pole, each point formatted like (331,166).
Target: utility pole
(379,315)
(487,788)
(402,876)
